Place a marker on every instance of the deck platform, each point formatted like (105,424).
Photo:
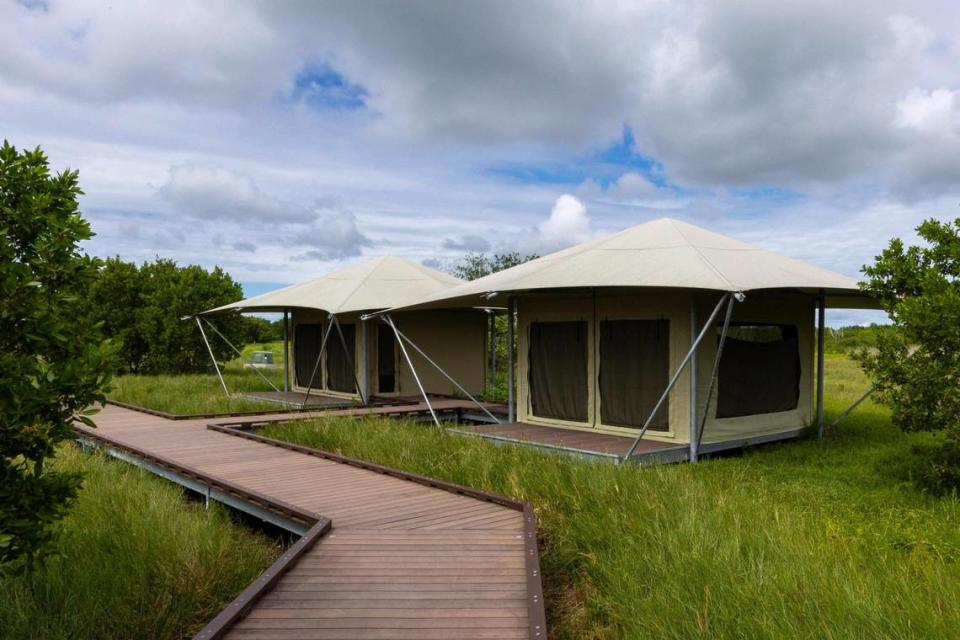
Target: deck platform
(578,441)
(297,399)
(390,554)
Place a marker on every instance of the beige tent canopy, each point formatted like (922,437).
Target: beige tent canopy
(335,353)
(607,327)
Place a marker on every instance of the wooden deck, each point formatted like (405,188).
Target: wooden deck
(574,440)
(405,557)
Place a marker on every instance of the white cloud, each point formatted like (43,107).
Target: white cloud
(567,225)
(936,111)
(467,243)
(218,193)
(335,236)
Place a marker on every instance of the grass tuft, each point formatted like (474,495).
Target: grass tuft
(135,559)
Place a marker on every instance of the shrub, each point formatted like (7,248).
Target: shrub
(53,363)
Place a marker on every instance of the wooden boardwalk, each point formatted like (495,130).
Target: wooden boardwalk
(405,557)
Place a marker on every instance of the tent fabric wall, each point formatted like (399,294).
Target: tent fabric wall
(672,309)
(455,339)
(773,308)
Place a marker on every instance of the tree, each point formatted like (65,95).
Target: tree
(53,361)
(143,309)
(916,368)
(476,265)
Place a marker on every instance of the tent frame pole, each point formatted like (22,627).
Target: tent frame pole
(212,358)
(849,410)
(511,408)
(316,366)
(673,380)
(694,440)
(716,368)
(353,366)
(364,372)
(447,375)
(493,348)
(286,351)
(821,322)
(240,353)
(413,370)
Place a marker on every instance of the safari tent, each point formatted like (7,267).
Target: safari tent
(664,332)
(336,353)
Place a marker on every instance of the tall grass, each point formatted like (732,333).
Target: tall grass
(199,393)
(825,539)
(136,560)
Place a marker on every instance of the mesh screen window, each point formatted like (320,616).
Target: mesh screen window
(759,371)
(558,370)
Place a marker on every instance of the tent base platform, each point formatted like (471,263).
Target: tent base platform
(600,446)
(297,398)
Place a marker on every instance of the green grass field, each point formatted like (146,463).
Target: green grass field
(808,539)
(190,394)
(136,559)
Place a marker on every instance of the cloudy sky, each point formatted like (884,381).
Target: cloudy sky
(283,140)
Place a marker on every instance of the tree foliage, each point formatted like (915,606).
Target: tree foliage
(53,361)
(476,265)
(916,369)
(144,307)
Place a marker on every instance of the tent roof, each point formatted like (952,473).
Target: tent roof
(367,286)
(664,253)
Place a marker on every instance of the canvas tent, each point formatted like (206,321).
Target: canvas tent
(337,353)
(664,331)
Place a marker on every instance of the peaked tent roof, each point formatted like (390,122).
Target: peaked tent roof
(661,253)
(375,284)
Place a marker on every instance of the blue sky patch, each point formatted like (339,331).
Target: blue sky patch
(604,166)
(323,87)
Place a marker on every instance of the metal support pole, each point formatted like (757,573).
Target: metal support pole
(240,353)
(210,351)
(849,410)
(346,350)
(676,376)
(821,321)
(716,369)
(447,375)
(511,312)
(316,366)
(694,440)
(364,365)
(406,355)
(286,351)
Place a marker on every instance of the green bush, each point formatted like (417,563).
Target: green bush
(916,367)
(53,362)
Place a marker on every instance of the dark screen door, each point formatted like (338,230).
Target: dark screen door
(386,360)
(339,362)
(634,357)
(558,370)
(306,348)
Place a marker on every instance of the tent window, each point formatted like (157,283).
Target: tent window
(386,359)
(759,370)
(340,375)
(558,370)
(306,349)
(634,361)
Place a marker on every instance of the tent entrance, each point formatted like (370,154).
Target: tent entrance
(633,372)
(386,359)
(306,350)
(340,374)
(558,370)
